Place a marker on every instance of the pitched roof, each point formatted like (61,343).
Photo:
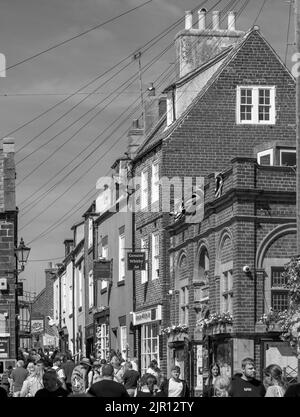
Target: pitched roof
(156,136)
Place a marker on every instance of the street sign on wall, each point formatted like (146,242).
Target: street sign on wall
(102,269)
(37,326)
(136,261)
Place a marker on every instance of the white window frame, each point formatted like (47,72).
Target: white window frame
(154,182)
(184,305)
(283,150)
(104,255)
(91,233)
(123,338)
(264,153)
(145,248)
(91,289)
(255,105)
(70,308)
(64,294)
(122,257)
(226,291)
(144,189)
(148,342)
(80,285)
(155,255)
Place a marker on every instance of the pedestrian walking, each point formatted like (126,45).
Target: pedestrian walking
(221,386)
(6,379)
(52,387)
(107,387)
(246,385)
(214,372)
(67,366)
(34,381)
(130,379)
(18,375)
(293,391)
(60,372)
(274,381)
(94,374)
(118,369)
(174,386)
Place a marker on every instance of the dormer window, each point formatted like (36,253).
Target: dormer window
(255,105)
(288,157)
(277,157)
(265,157)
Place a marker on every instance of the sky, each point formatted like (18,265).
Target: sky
(60,155)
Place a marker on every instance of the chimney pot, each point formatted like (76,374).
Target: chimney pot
(202,19)
(188,20)
(8,145)
(151,90)
(135,124)
(216,20)
(231,20)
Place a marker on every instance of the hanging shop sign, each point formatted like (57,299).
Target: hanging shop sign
(136,261)
(102,269)
(37,326)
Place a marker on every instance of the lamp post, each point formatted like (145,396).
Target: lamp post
(21,253)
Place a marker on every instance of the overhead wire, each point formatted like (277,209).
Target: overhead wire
(288,32)
(245,3)
(51,48)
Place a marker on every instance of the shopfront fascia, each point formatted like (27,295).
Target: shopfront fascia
(147,325)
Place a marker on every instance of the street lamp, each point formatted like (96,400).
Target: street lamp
(22,253)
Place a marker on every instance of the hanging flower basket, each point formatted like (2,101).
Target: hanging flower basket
(216,323)
(260,327)
(173,330)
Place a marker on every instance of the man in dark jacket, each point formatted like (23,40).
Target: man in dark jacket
(174,386)
(293,391)
(246,385)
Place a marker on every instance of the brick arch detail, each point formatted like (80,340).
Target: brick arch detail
(270,238)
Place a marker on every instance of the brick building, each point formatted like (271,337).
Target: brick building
(8,242)
(42,308)
(237,100)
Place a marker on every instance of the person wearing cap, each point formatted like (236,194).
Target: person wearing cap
(174,386)
(107,387)
(79,379)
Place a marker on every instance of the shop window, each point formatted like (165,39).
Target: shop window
(149,345)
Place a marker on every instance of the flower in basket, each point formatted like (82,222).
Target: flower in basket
(214,319)
(180,328)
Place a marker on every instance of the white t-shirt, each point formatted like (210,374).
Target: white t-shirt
(175,388)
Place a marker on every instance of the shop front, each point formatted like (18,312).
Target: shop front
(147,325)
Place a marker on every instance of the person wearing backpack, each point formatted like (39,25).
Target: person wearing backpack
(79,379)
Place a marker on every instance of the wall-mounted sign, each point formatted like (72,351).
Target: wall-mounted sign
(145,316)
(136,261)
(102,269)
(4,347)
(37,326)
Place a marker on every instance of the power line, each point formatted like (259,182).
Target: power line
(77,36)
(260,11)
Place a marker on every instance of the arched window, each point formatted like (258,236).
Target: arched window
(201,284)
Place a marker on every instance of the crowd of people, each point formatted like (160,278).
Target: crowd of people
(245,384)
(53,374)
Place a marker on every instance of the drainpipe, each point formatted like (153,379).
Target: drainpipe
(73,301)
(133,283)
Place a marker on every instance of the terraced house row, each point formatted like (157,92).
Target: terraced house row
(214,255)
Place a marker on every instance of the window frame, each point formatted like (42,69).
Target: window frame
(184,305)
(255,105)
(154,182)
(91,289)
(121,251)
(285,150)
(148,352)
(123,340)
(145,248)
(226,291)
(277,289)
(264,153)
(154,256)
(144,189)
(104,255)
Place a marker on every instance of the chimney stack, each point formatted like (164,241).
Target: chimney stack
(188,20)
(8,145)
(216,20)
(151,90)
(231,20)
(202,19)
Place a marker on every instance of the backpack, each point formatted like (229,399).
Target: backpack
(78,379)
